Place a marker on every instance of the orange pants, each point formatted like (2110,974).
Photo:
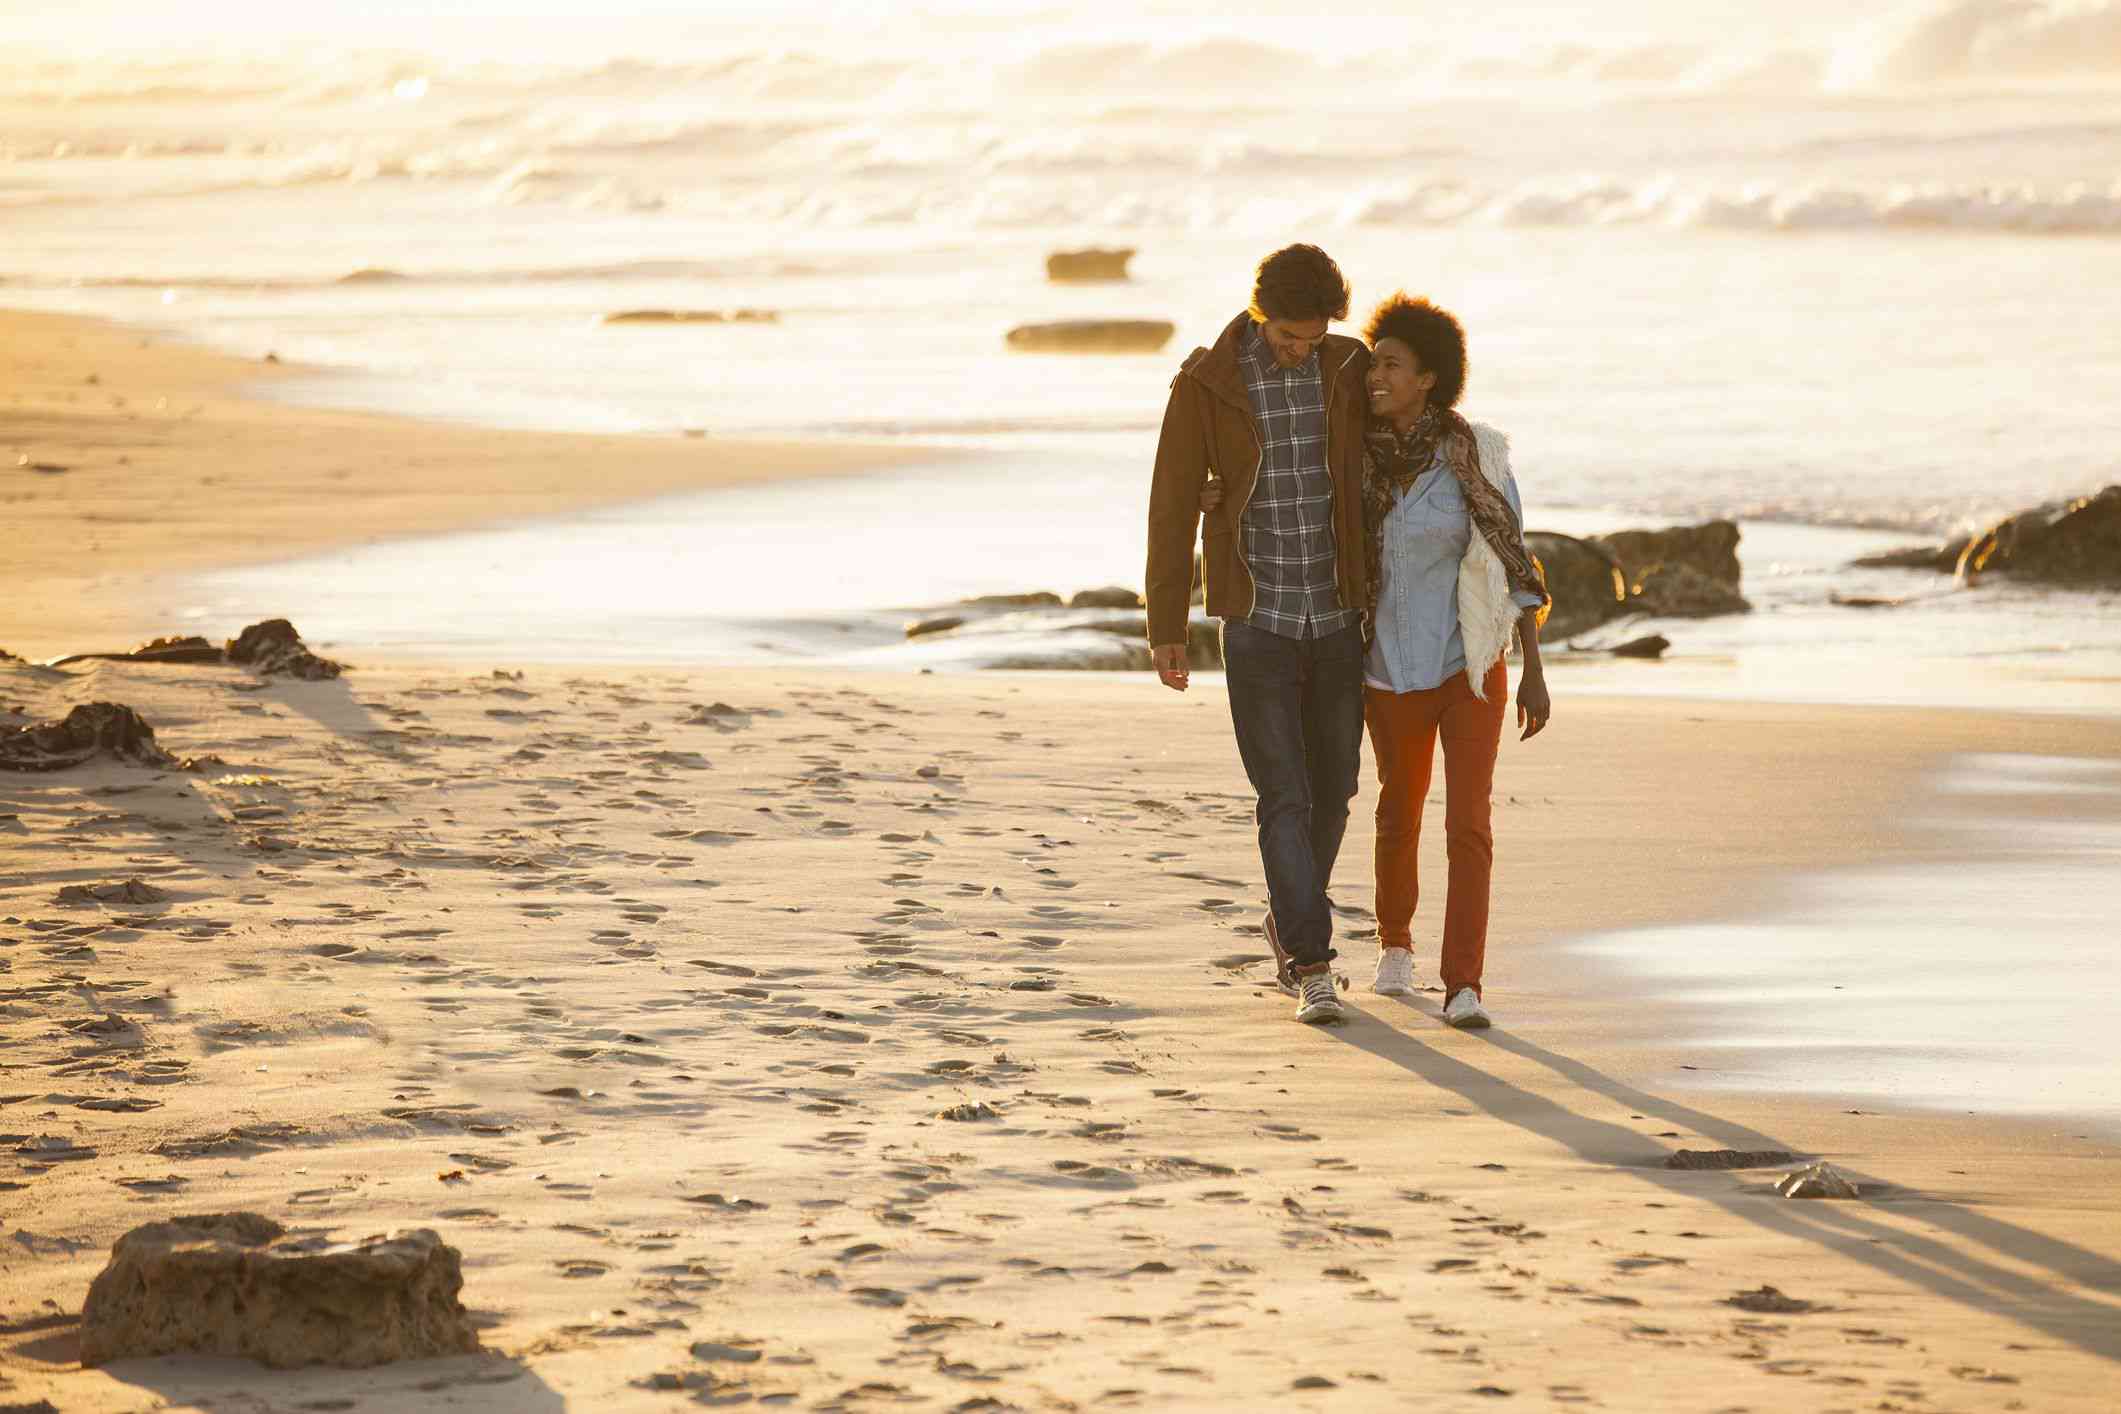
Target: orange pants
(1403,731)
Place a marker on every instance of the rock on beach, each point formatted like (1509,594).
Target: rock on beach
(238,1284)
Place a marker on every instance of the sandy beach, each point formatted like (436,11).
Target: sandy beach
(834,1040)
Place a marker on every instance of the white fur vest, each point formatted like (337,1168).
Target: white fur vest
(1487,616)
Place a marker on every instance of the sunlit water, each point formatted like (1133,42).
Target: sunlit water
(1797,268)
(1979,985)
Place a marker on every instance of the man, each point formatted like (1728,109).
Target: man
(1275,411)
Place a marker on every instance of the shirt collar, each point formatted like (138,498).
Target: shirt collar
(1252,345)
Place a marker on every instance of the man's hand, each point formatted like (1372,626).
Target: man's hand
(1533,704)
(1171,669)
(1211,494)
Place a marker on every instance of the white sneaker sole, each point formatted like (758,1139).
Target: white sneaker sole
(1391,990)
(1324,1011)
(1478,1021)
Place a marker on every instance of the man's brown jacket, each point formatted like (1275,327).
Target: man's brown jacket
(1209,431)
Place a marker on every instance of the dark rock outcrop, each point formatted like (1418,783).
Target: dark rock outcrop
(1650,645)
(942,623)
(1684,592)
(1113,598)
(1710,548)
(269,648)
(1586,580)
(1094,263)
(273,648)
(693,316)
(1037,599)
(237,1284)
(1093,336)
(1716,1160)
(156,650)
(2075,543)
(1683,571)
(93,728)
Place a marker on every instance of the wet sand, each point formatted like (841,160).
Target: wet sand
(848,1041)
(170,466)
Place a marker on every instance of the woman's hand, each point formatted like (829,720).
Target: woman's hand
(1533,704)
(1211,494)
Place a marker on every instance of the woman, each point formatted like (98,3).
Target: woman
(1450,579)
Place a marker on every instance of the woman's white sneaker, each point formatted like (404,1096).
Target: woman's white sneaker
(1395,972)
(1465,1012)
(1317,999)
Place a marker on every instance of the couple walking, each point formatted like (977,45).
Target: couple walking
(1363,545)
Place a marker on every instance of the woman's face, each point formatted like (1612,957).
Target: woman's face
(1399,388)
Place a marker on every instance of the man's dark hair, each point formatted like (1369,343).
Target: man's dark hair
(1299,282)
(1438,342)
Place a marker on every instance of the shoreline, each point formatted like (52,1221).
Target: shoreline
(134,422)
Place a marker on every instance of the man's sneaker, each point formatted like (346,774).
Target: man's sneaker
(1395,972)
(1464,1010)
(1317,999)
(1284,965)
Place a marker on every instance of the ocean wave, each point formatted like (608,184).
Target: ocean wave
(385,277)
(1963,40)
(972,69)
(2081,209)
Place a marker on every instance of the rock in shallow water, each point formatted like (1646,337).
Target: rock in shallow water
(1091,336)
(1093,263)
(1115,597)
(2075,542)
(236,1284)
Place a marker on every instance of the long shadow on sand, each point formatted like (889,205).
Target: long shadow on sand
(1947,1265)
(487,1381)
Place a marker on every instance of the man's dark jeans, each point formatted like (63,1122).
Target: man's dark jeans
(1297,707)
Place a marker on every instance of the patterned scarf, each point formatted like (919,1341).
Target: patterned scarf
(1392,462)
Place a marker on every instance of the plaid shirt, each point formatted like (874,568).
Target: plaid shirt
(1288,523)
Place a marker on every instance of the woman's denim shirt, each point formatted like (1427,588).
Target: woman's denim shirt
(1417,644)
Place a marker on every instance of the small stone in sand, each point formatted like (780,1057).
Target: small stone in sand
(1770,1301)
(131,891)
(1819,1181)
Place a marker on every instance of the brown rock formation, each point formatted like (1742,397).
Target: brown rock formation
(1678,591)
(1093,336)
(1708,1160)
(2075,543)
(236,1284)
(1036,599)
(1113,598)
(91,728)
(693,316)
(274,648)
(1710,548)
(1093,263)
(1587,582)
